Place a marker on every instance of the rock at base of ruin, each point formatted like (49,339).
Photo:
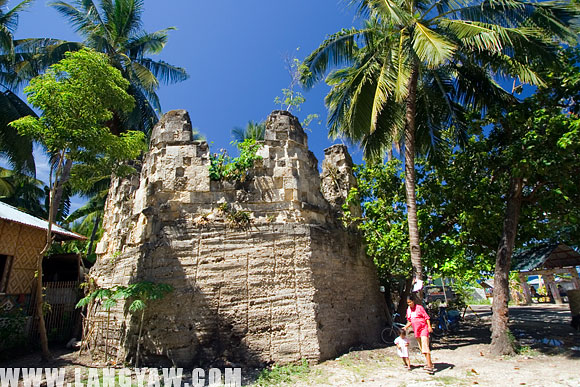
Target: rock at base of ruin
(286,283)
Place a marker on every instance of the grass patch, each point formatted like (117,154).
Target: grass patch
(284,374)
(479,302)
(526,350)
(359,367)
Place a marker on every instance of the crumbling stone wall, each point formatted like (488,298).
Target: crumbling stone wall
(290,284)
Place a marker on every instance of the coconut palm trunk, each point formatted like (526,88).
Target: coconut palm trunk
(411,108)
(500,341)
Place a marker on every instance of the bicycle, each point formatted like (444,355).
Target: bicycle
(446,322)
(390,333)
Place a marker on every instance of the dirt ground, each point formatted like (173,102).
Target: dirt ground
(461,359)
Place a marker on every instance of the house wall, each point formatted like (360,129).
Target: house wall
(24,243)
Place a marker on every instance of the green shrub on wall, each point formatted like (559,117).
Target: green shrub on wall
(224,167)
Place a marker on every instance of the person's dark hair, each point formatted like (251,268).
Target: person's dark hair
(411,297)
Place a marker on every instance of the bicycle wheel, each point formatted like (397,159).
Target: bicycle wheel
(438,330)
(389,334)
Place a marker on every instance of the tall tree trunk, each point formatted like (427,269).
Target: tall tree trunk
(501,343)
(45,352)
(411,107)
(402,306)
(61,176)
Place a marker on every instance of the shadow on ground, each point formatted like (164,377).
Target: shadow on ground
(471,332)
(545,328)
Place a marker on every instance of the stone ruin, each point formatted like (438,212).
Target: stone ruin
(290,284)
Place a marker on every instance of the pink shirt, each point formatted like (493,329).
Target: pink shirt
(418,318)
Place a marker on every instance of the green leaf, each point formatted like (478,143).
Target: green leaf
(431,48)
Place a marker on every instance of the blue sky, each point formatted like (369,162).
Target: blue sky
(234,52)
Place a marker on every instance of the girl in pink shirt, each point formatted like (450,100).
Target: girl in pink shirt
(419,319)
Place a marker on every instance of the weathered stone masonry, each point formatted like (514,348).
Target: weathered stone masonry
(293,284)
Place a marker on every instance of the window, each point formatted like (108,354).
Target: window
(5,266)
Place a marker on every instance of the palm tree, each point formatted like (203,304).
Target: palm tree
(416,66)
(23,192)
(16,148)
(115,28)
(253,130)
(91,214)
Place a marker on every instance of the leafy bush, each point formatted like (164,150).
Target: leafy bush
(224,167)
(12,330)
(463,291)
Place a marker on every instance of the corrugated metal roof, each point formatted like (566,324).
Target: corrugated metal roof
(547,256)
(12,214)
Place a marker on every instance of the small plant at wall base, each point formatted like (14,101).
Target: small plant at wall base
(139,293)
(108,299)
(223,167)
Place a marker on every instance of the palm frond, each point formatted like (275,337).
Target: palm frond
(16,148)
(83,21)
(388,131)
(253,130)
(95,204)
(335,51)
(9,19)
(475,87)
(385,89)
(402,57)
(341,101)
(6,40)
(142,76)
(506,66)
(431,48)
(147,43)
(389,11)
(144,116)
(127,17)
(164,71)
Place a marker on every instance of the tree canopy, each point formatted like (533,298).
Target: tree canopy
(114,27)
(418,67)
(77,96)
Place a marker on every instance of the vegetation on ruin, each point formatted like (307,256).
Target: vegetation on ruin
(224,167)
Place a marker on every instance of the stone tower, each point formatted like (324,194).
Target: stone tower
(287,283)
